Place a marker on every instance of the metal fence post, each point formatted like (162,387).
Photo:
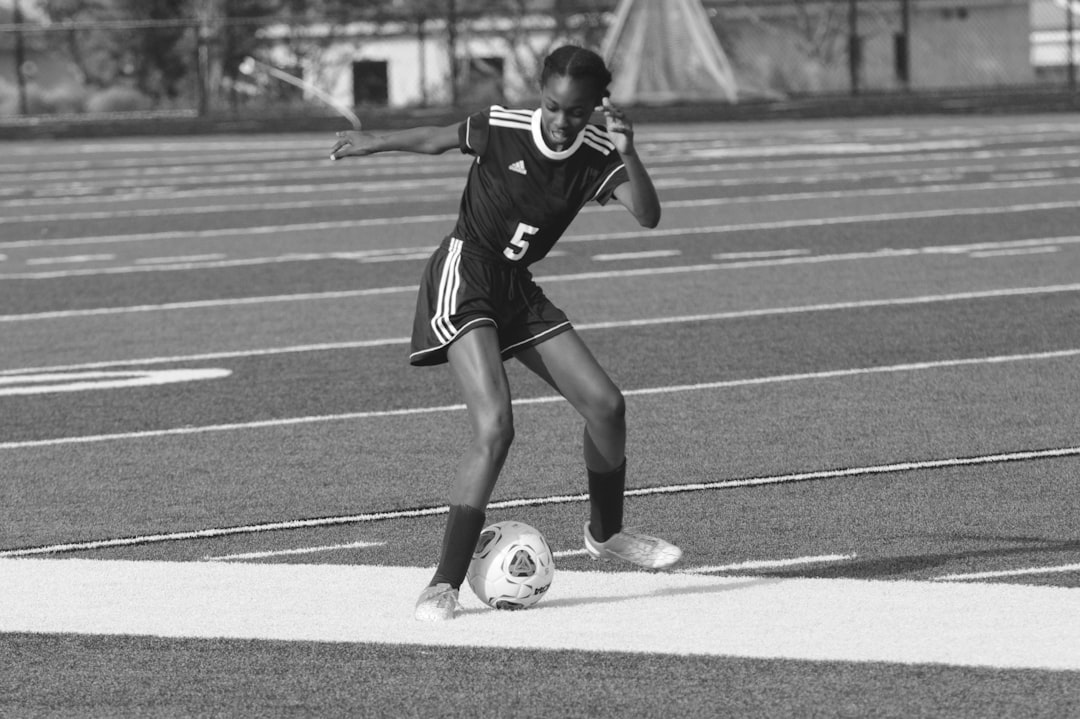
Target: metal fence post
(1070,45)
(451,41)
(854,51)
(904,49)
(20,58)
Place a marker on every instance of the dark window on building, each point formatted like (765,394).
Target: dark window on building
(370,83)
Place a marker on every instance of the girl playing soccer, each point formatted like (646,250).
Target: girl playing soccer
(478,304)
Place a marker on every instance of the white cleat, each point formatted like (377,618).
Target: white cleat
(633,547)
(437,603)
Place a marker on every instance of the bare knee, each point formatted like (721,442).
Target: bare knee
(607,409)
(494,434)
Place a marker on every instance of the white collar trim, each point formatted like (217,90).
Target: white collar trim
(541,144)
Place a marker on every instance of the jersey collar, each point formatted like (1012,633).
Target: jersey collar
(542,146)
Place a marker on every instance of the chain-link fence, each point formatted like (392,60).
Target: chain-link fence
(776,48)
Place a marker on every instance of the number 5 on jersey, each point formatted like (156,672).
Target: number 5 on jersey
(518,244)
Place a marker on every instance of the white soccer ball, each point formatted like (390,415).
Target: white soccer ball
(512,566)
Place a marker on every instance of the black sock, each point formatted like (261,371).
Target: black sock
(463,528)
(606,502)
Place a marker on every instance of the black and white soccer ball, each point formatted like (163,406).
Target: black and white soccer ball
(512,566)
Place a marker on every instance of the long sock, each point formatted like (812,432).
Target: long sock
(463,528)
(606,502)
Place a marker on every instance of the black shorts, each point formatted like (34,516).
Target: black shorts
(463,289)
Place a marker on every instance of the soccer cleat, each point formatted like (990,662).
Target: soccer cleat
(633,547)
(437,603)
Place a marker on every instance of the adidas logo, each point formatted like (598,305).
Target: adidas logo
(518,167)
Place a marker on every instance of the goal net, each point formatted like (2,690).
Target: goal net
(663,51)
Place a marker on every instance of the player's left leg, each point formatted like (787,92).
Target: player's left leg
(565,362)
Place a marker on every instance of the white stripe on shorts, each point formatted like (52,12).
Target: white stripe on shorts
(446,305)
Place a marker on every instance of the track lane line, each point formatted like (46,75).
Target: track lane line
(816,475)
(644,391)
(1004,573)
(292,552)
(287,229)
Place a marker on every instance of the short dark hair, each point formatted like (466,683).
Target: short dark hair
(577,62)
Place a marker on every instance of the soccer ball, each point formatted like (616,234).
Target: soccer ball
(512,566)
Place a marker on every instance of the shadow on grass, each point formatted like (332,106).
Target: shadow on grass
(899,566)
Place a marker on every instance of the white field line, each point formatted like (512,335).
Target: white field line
(753,564)
(204,304)
(762,255)
(704,386)
(285,229)
(180,259)
(643,255)
(247,184)
(574,277)
(1060,569)
(292,552)
(677,319)
(923,624)
(569,553)
(71,259)
(733,260)
(846,473)
(742,199)
(1015,251)
(661,166)
(647,391)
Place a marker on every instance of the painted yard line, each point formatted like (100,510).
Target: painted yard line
(72,259)
(764,254)
(226,232)
(1060,569)
(837,620)
(52,382)
(570,553)
(643,255)
(284,229)
(179,258)
(649,391)
(293,552)
(712,201)
(734,260)
(774,261)
(1044,249)
(845,473)
(451,183)
(204,304)
(819,222)
(179,265)
(243,188)
(662,166)
(607,274)
(768,564)
(677,319)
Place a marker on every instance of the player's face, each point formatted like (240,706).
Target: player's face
(566,104)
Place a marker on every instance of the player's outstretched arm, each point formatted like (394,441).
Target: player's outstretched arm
(427,140)
(639,194)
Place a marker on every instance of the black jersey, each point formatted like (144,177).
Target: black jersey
(521,195)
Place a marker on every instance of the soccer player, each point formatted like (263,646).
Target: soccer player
(478,304)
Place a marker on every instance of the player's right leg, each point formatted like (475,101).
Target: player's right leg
(565,363)
(478,369)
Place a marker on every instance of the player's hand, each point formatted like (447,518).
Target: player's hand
(619,127)
(352,143)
